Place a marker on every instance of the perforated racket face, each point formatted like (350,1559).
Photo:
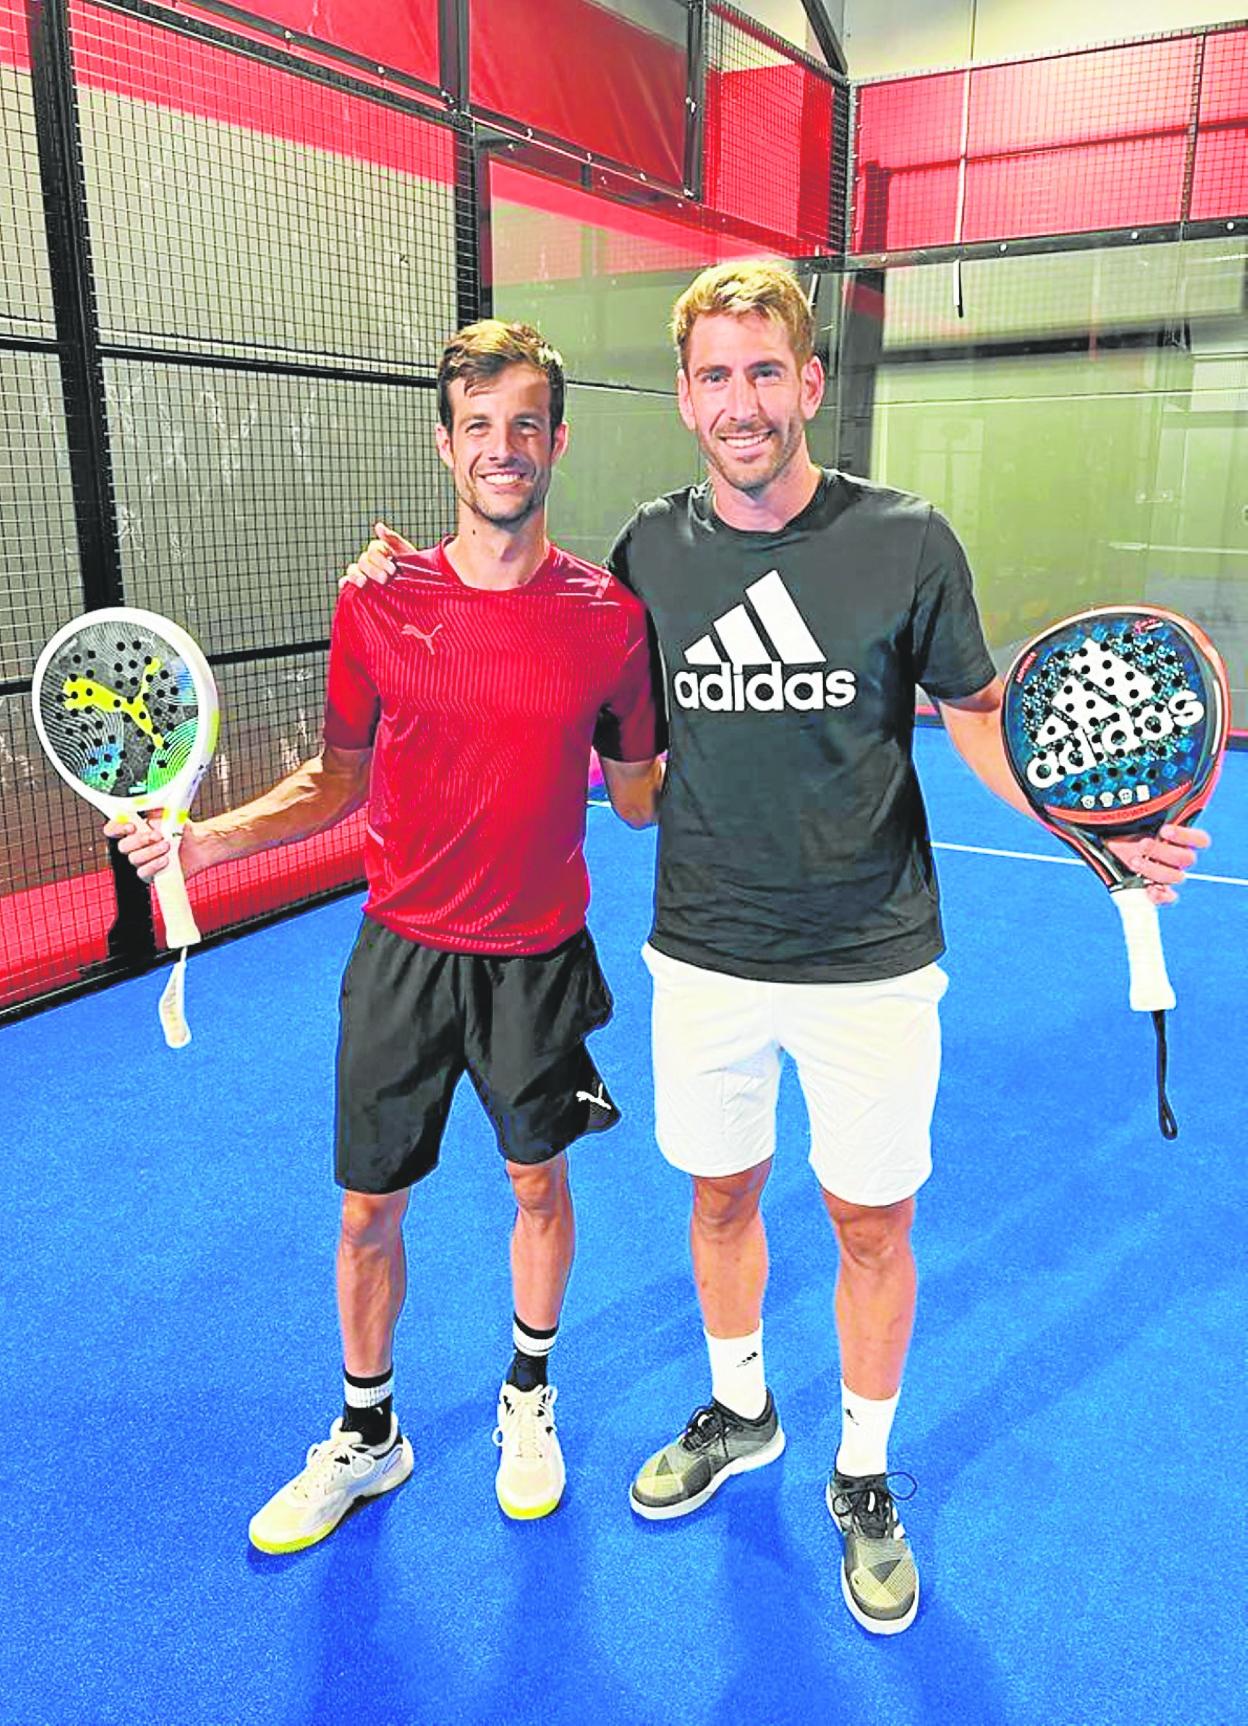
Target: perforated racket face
(1115,720)
(125,707)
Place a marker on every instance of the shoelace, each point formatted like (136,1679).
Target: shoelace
(705,1426)
(326,1462)
(871,1505)
(527,1416)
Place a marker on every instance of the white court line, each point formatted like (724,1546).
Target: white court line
(1027,856)
(1069,862)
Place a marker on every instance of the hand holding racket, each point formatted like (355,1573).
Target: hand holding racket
(125,706)
(1115,722)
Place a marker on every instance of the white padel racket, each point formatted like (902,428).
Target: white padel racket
(126,709)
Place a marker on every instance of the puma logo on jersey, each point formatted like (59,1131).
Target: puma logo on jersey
(601,1101)
(411,629)
(765,670)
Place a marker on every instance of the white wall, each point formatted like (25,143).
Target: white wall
(888,36)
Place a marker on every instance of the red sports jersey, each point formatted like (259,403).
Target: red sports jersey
(481,708)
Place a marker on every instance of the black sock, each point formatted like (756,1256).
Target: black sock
(528,1364)
(361,1412)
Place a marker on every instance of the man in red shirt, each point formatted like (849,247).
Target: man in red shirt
(462,706)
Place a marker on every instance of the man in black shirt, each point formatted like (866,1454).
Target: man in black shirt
(796,908)
(797,610)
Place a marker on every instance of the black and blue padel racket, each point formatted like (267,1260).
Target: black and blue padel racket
(125,706)
(1115,723)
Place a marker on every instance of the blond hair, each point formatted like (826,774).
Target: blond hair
(756,287)
(479,352)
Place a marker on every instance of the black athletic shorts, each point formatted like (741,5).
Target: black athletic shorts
(414,1019)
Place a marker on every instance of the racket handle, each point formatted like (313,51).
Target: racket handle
(175,907)
(1150,986)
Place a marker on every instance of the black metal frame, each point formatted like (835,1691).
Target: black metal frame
(132,936)
(821,28)
(695,98)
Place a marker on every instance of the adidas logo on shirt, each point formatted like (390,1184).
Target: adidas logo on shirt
(751,673)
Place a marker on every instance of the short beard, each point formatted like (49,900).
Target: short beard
(472,500)
(753,486)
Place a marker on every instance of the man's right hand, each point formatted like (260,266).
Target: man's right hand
(376,561)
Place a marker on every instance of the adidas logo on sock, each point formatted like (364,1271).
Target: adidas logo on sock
(745,673)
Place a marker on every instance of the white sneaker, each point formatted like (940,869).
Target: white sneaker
(531,1474)
(338,1471)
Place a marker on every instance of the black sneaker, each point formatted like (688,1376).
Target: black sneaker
(878,1577)
(715,1444)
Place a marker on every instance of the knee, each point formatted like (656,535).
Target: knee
(728,1202)
(540,1189)
(873,1237)
(372,1221)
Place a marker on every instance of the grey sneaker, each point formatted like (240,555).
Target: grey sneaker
(879,1578)
(715,1444)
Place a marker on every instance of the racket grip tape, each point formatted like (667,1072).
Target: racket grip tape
(175,907)
(1150,988)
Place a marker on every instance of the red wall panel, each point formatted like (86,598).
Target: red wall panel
(768,153)
(906,149)
(402,34)
(1079,142)
(1071,143)
(580,73)
(141,61)
(1220,180)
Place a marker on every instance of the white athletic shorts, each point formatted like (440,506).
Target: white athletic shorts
(867,1058)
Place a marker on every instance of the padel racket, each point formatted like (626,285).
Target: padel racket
(126,709)
(1115,722)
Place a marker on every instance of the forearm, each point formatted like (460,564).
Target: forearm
(318,794)
(974,728)
(981,747)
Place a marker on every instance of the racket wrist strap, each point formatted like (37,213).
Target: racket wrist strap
(1165,1114)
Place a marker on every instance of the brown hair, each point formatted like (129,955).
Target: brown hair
(767,289)
(481,351)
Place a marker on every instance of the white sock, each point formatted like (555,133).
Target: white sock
(738,1379)
(865,1426)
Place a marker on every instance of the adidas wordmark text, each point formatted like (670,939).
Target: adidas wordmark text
(729,689)
(744,672)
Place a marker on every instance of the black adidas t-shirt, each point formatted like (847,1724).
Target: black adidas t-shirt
(793,841)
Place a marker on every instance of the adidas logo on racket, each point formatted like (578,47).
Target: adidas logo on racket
(745,673)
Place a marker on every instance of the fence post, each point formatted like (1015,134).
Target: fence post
(132,936)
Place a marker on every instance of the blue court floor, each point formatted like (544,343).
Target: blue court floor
(1074,1411)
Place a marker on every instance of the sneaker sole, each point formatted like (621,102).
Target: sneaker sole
(528,1512)
(686,1506)
(875,1626)
(278,1547)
